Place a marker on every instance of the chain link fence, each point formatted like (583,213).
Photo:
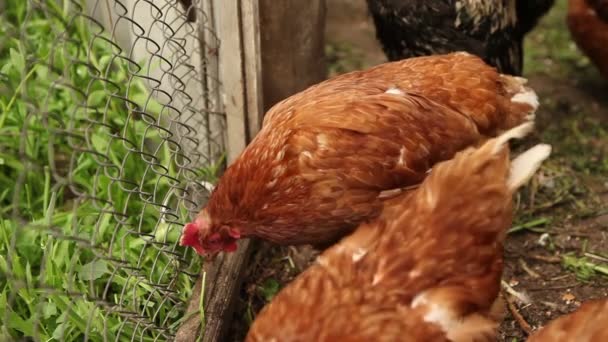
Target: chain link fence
(110,125)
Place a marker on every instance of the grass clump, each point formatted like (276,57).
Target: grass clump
(584,268)
(90,199)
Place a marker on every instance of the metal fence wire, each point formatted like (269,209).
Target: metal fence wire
(110,120)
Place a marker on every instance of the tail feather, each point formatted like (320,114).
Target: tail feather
(523,94)
(526,164)
(521,102)
(517,132)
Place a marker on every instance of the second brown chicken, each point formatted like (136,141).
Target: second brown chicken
(428,269)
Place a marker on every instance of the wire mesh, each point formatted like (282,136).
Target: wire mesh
(110,119)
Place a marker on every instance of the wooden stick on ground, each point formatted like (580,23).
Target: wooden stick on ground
(521,321)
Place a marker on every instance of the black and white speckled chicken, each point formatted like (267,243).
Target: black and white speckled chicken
(491,29)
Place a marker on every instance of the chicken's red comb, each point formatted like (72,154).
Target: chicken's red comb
(190,235)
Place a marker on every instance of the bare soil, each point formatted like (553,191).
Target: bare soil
(558,255)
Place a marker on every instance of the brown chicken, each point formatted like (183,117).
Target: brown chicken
(588,24)
(327,157)
(428,269)
(589,323)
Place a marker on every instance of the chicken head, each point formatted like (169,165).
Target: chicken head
(207,241)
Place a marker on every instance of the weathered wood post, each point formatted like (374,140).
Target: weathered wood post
(293,46)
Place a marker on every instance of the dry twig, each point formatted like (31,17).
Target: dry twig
(528,270)
(549,259)
(523,324)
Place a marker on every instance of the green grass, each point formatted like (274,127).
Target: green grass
(342,58)
(83,251)
(583,268)
(549,49)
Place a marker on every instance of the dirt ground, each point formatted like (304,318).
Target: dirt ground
(557,252)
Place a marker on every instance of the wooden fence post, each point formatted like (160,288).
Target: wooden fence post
(293,46)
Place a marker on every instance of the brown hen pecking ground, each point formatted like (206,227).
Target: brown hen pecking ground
(557,252)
